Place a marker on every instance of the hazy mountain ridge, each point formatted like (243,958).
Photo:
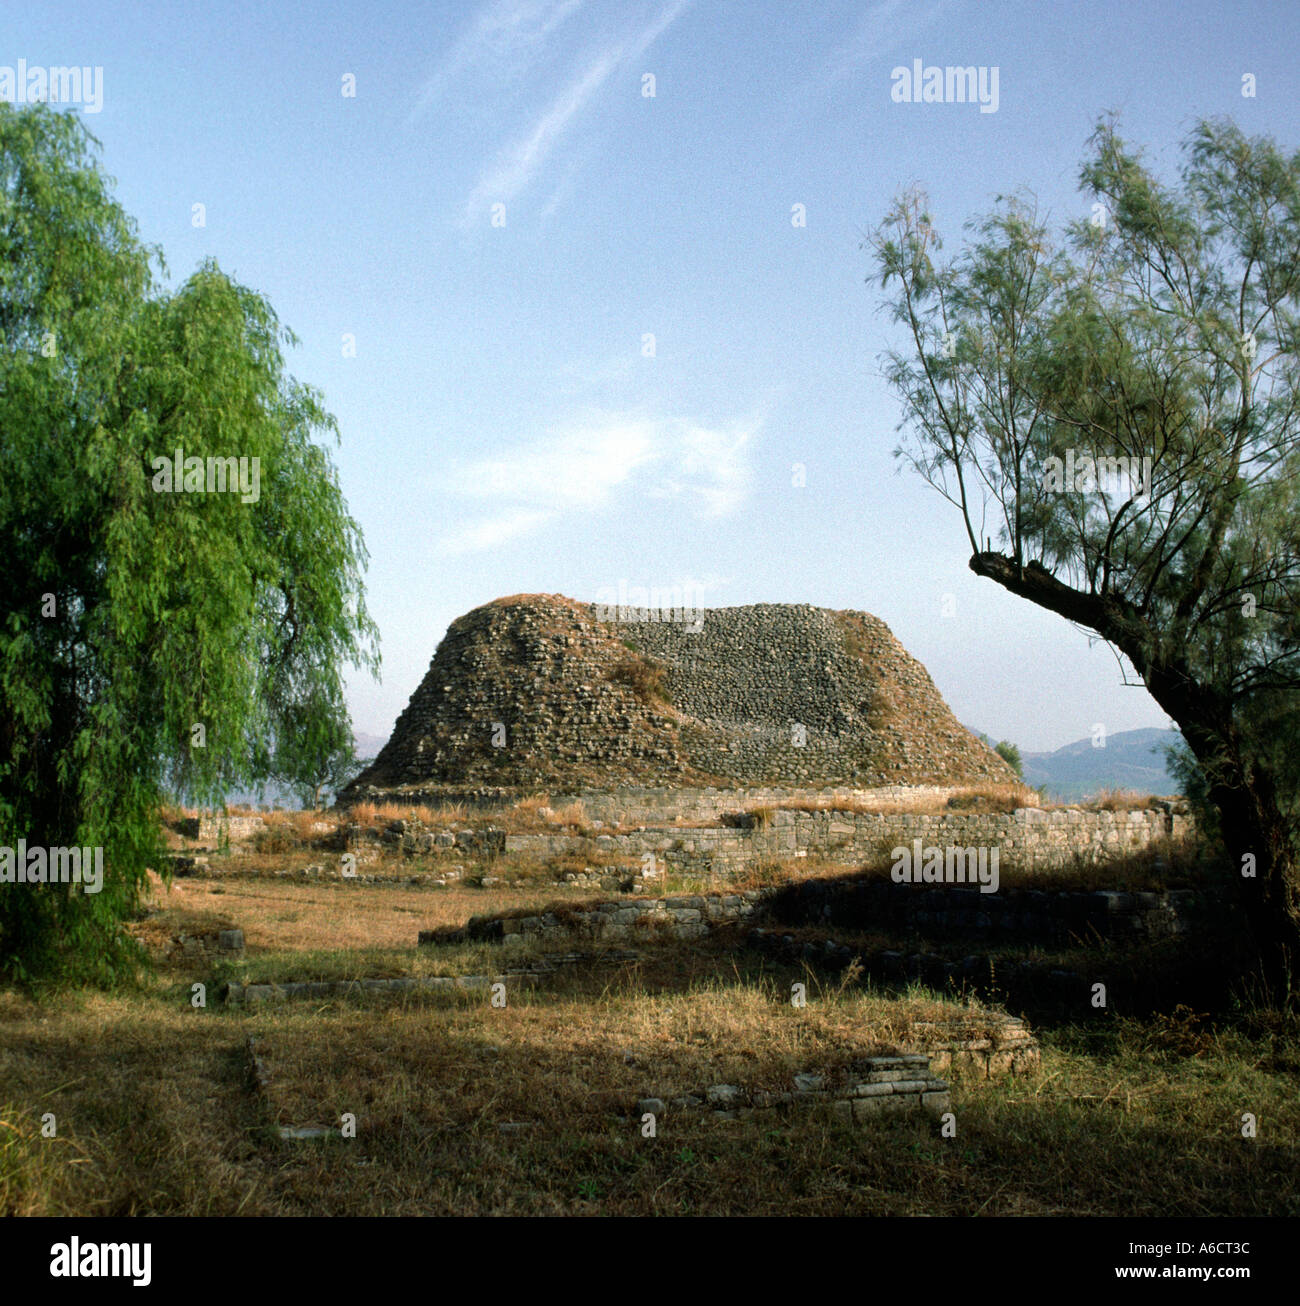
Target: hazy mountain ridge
(1130,759)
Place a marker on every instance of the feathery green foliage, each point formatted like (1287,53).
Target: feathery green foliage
(148,640)
(1157,341)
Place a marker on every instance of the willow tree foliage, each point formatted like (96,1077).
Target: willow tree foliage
(1113,412)
(151,639)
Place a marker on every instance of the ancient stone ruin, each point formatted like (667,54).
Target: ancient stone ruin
(539,692)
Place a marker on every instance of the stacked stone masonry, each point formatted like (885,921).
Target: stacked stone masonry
(1010,914)
(686,917)
(538,691)
(1028,839)
(869,1088)
(1029,915)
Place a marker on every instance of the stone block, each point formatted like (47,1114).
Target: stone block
(871,1090)
(1000,1063)
(865,1108)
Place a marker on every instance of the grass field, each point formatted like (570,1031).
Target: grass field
(465,1108)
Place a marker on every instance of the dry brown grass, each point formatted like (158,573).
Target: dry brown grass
(1121,800)
(157,1114)
(534,815)
(372,814)
(289,916)
(645,677)
(977,798)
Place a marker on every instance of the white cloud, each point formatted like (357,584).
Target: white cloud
(708,469)
(500,44)
(516,166)
(578,468)
(492,532)
(585,467)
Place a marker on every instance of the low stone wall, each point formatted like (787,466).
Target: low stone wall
(987,1046)
(1019,915)
(645,806)
(528,975)
(214,827)
(1029,839)
(223,943)
(675,917)
(247,994)
(866,1089)
(1010,914)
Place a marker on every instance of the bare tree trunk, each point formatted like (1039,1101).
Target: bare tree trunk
(1257,834)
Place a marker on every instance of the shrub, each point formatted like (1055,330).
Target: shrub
(645,677)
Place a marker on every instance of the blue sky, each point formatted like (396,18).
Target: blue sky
(505,427)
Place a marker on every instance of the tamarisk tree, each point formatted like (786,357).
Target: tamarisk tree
(1113,412)
(158,632)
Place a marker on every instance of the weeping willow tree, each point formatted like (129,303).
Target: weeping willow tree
(1116,410)
(157,634)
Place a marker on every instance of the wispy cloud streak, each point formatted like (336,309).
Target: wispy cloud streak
(516,166)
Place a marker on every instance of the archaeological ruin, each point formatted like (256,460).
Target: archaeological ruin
(538,692)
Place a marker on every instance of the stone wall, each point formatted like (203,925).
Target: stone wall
(685,917)
(1029,839)
(1023,915)
(247,994)
(214,827)
(651,806)
(1010,914)
(872,1087)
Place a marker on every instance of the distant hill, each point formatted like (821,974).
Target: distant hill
(279,796)
(1131,759)
(368,745)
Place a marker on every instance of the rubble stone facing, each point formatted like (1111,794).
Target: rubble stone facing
(1033,915)
(684,917)
(202,946)
(862,1091)
(1024,915)
(533,691)
(213,827)
(1030,839)
(645,805)
(986,1046)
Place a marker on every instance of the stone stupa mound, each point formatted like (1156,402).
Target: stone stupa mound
(534,692)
